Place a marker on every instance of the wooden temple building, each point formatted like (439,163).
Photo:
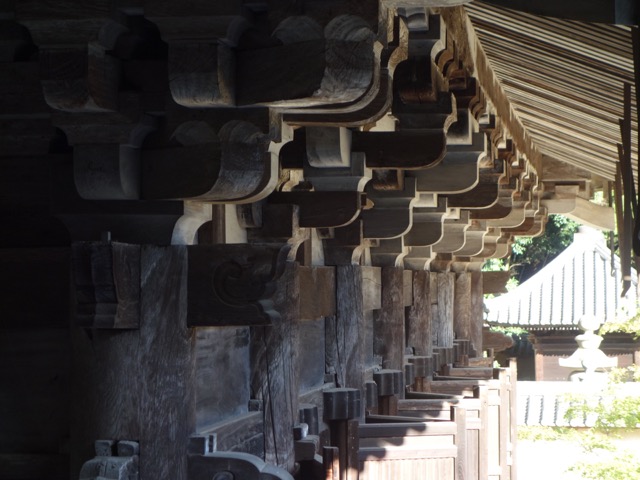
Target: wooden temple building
(584,280)
(243,239)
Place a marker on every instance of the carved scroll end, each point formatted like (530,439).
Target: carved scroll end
(107,284)
(233,285)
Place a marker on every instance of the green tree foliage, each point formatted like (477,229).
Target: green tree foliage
(613,413)
(530,254)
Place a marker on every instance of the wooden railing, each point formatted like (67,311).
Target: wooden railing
(466,430)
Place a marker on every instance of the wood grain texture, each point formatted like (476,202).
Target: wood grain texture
(310,346)
(274,377)
(140,384)
(419,315)
(222,374)
(495,282)
(476,314)
(349,331)
(389,338)
(442,324)
(244,433)
(462,306)
(317,291)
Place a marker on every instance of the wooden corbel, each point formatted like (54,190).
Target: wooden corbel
(321,209)
(78,73)
(483,195)
(474,239)
(232,465)
(427,227)
(459,170)
(361,82)
(392,212)
(344,245)
(233,284)
(107,284)
(232,165)
(453,233)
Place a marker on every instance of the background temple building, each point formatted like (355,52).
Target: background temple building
(584,280)
(244,238)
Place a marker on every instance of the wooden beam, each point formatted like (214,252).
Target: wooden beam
(389,337)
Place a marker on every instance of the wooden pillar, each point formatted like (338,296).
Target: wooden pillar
(442,321)
(419,315)
(388,326)
(139,384)
(539,365)
(274,374)
(476,314)
(462,306)
(345,332)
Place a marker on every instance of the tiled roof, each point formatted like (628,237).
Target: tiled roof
(545,403)
(578,282)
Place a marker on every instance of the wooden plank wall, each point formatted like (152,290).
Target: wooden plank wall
(140,384)
(410,451)
(243,385)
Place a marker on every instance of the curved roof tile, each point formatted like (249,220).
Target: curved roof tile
(578,282)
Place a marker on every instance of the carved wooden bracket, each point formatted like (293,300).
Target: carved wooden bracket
(230,465)
(392,212)
(78,71)
(323,209)
(233,284)
(232,165)
(107,282)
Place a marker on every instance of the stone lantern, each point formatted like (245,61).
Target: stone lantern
(588,361)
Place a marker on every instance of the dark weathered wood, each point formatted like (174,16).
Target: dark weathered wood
(317,292)
(472,372)
(222,358)
(483,195)
(410,149)
(227,165)
(391,214)
(323,209)
(462,306)
(310,352)
(331,463)
(389,338)
(419,315)
(274,378)
(345,339)
(107,281)
(496,341)
(243,279)
(495,282)
(243,433)
(442,322)
(204,466)
(280,72)
(155,401)
(476,319)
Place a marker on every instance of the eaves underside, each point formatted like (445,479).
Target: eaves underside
(564,80)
